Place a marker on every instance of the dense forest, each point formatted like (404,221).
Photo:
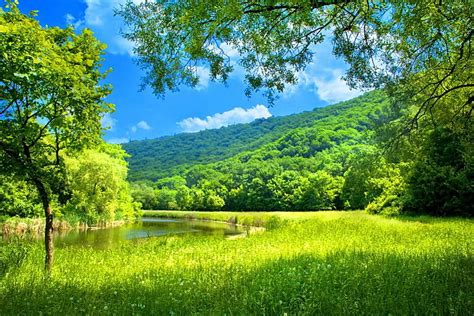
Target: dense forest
(339,157)
(157,158)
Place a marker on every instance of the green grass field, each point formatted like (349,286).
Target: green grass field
(304,263)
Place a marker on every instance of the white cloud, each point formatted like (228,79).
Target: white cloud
(99,16)
(230,50)
(143,125)
(203,75)
(140,125)
(234,116)
(118,140)
(326,83)
(108,122)
(71,20)
(333,88)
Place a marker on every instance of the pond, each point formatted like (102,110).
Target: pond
(146,227)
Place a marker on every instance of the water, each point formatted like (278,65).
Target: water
(147,227)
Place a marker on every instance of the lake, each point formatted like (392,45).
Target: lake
(144,228)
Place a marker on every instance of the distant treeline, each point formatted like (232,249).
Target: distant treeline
(338,158)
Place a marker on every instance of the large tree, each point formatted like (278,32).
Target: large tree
(51,100)
(420,49)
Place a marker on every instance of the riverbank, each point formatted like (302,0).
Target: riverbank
(267,220)
(20,227)
(311,263)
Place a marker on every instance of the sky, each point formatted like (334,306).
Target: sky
(141,115)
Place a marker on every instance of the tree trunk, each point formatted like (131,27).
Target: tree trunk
(48,238)
(48,229)
(45,199)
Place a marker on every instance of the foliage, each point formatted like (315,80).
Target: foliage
(302,133)
(97,179)
(51,104)
(441,180)
(18,198)
(159,158)
(144,194)
(302,162)
(420,49)
(341,157)
(97,189)
(51,98)
(315,263)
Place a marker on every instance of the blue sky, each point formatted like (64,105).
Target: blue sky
(141,115)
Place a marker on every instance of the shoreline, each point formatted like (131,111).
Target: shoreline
(21,227)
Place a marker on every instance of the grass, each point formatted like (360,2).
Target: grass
(305,263)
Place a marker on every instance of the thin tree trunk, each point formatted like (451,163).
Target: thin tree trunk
(48,238)
(48,213)
(48,229)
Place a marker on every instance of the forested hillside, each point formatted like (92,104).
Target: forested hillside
(299,162)
(330,158)
(157,158)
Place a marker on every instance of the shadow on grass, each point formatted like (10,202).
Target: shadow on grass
(340,283)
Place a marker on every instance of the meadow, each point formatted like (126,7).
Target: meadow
(303,263)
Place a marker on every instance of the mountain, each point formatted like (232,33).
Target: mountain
(171,155)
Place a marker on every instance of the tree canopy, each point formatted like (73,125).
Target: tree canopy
(421,48)
(51,101)
(418,51)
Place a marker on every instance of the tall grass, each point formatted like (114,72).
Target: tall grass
(311,263)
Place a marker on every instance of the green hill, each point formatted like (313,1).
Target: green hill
(294,135)
(323,159)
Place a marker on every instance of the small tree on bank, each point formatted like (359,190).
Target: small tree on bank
(50,101)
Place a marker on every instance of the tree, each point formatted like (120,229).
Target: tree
(320,191)
(421,50)
(18,198)
(418,51)
(145,195)
(441,180)
(51,100)
(98,183)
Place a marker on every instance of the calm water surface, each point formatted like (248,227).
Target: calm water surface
(147,227)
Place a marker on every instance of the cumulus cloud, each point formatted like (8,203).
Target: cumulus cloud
(99,16)
(140,125)
(234,116)
(332,88)
(204,75)
(143,125)
(71,20)
(108,122)
(326,83)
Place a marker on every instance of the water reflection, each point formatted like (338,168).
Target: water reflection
(147,227)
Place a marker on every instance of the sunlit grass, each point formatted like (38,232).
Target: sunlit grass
(306,263)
